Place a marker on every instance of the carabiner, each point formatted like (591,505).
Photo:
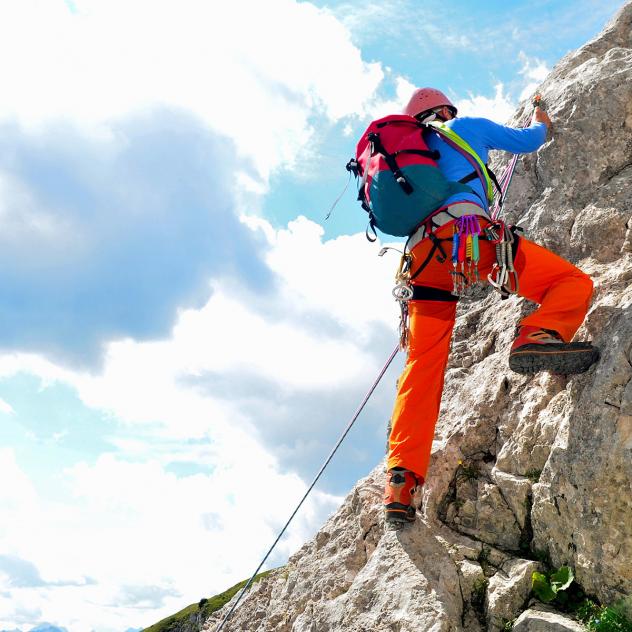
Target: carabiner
(402,292)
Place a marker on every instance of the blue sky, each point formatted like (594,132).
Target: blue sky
(183,337)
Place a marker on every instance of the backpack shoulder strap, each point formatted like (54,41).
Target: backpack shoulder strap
(474,174)
(462,146)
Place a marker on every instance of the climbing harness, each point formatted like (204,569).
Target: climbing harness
(309,489)
(465,257)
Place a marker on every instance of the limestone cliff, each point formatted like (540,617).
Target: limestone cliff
(524,468)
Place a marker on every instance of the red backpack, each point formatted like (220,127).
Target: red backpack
(401,183)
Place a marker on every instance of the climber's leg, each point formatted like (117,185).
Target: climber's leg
(420,385)
(563,293)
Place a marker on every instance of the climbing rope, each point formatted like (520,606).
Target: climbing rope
(507,175)
(309,489)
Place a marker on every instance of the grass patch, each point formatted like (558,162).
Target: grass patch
(478,592)
(468,472)
(508,625)
(483,560)
(186,619)
(604,618)
(533,475)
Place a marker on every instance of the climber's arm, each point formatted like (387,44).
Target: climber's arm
(517,141)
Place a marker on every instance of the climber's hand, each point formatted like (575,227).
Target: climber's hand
(540,116)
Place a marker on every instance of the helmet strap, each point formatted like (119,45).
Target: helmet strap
(427,116)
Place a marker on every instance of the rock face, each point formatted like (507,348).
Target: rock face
(536,620)
(524,468)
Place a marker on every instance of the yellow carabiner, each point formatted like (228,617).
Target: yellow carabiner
(405,264)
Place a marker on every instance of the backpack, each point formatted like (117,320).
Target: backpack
(401,183)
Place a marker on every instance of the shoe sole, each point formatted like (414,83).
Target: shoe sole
(575,357)
(399,515)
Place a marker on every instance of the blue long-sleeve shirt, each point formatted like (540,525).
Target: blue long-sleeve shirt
(482,135)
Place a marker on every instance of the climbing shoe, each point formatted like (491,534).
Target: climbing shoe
(399,501)
(538,349)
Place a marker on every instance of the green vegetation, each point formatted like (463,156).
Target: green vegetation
(477,598)
(604,618)
(543,556)
(547,586)
(478,592)
(483,559)
(560,588)
(186,619)
(468,472)
(533,475)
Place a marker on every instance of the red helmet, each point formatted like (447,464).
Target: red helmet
(424,99)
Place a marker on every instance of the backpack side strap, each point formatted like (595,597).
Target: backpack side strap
(379,148)
(433,154)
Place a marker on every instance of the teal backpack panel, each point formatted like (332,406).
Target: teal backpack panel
(399,214)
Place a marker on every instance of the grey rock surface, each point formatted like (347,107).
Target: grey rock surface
(533,620)
(354,589)
(508,592)
(523,468)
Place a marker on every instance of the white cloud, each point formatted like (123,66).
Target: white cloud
(341,279)
(112,58)
(170,540)
(342,276)
(534,72)
(137,526)
(403,91)
(19,494)
(22,219)
(499,108)
(6,408)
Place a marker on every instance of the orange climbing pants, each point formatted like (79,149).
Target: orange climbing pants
(562,291)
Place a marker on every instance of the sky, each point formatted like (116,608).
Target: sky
(183,336)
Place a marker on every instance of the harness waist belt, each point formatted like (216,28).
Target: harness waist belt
(442,217)
(426,293)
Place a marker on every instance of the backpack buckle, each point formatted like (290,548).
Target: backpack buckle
(353,167)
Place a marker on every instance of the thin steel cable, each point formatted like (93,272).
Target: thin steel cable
(309,489)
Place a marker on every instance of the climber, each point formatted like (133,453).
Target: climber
(562,291)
